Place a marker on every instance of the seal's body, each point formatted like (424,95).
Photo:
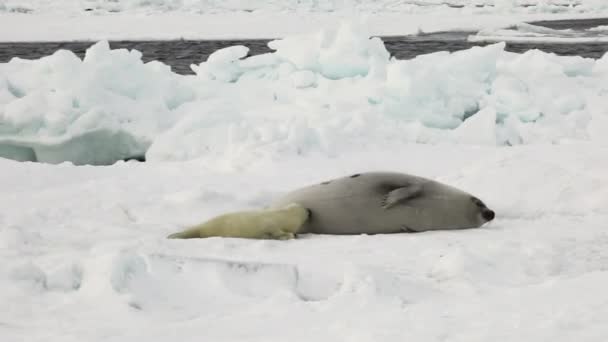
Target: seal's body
(367,203)
(385,202)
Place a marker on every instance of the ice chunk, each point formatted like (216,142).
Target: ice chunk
(523,32)
(601,28)
(17,152)
(30,275)
(98,110)
(441,89)
(326,92)
(601,66)
(343,52)
(221,65)
(304,79)
(479,129)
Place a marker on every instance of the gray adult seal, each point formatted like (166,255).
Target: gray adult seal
(365,203)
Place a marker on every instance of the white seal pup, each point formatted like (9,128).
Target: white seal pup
(365,203)
(280,224)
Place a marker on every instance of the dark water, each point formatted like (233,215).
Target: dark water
(180,54)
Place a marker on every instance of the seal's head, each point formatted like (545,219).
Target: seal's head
(480,212)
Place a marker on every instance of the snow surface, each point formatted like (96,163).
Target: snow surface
(84,254)
(321,93)
(61,20)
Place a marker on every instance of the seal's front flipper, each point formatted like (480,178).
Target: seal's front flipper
(401,195)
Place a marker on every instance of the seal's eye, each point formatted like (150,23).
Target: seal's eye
(477,202)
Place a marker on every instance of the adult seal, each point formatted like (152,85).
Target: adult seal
(365,203)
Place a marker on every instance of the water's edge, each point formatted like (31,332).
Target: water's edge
(180,54)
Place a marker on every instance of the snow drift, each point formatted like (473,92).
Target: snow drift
(321,93)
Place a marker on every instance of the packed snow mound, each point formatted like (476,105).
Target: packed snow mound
(97,110)
(326,92)
(407,6)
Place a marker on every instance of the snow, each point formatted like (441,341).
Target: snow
(317,94)
(85,256)
(83,249)
(46,20)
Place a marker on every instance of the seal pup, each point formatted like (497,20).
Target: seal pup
(280,224)
(363,203)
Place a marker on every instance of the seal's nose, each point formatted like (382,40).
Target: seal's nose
(488,214)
